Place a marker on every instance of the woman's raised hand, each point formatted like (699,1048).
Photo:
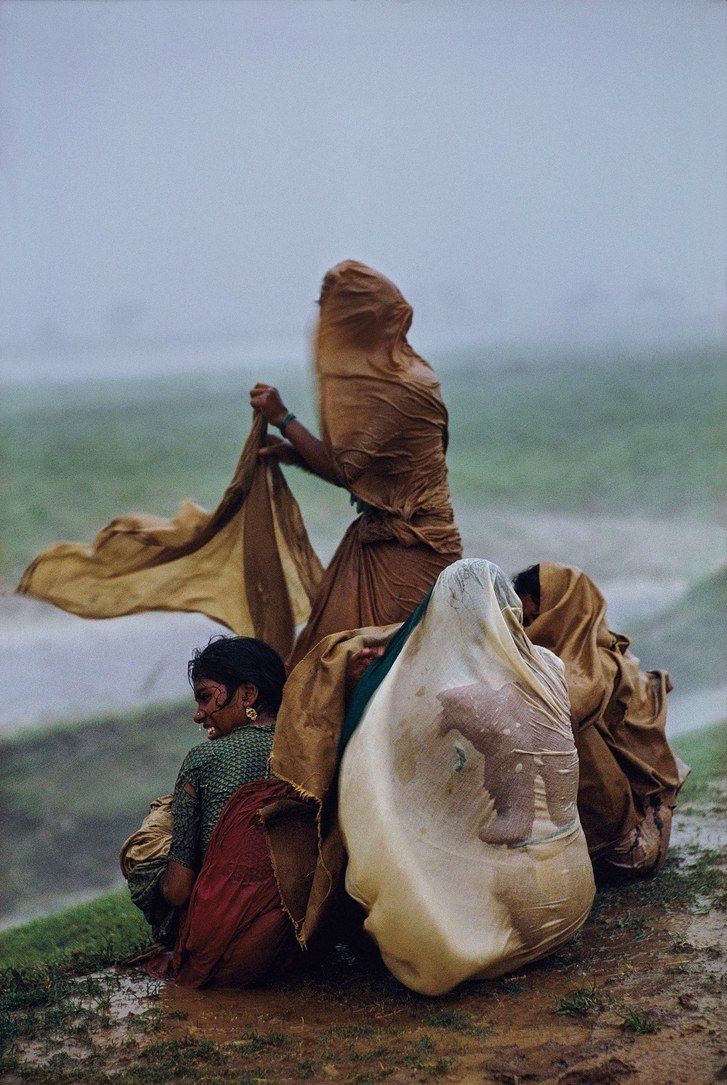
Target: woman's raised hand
(302,448)
(266,399)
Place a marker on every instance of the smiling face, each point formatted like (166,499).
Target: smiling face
(213,714)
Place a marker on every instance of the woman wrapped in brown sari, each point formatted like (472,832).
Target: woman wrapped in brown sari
(249,564)
(629,777)
(384,428)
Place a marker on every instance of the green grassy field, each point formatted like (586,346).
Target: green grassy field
(71,795)
(90,935)
(606,434)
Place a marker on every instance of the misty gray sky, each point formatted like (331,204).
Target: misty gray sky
(520,169)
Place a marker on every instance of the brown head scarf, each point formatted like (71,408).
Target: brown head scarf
(382,415)
(363,323)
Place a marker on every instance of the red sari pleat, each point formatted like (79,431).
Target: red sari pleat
(235,932)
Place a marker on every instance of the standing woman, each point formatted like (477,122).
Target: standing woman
(384,428)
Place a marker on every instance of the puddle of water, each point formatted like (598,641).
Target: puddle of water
(125,994)
(116,999)
(702,830)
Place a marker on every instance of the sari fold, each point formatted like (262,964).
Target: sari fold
(303,834)
(235,932)
(618,711)
(248,565)
(151,840)
(143,861)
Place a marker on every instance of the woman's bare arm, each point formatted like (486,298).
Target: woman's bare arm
(176,884)
(300,442)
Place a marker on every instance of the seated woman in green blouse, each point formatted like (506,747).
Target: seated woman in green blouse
(238,685)
(218,876)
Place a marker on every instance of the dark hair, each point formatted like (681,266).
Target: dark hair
(528,583)
(234,660)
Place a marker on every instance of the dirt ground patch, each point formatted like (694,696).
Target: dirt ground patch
(634,997)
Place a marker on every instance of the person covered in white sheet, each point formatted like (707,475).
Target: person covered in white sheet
(457,795)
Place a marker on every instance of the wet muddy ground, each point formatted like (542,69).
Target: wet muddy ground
(636,996)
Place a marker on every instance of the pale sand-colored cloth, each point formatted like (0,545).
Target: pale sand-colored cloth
(249,564)
(303,835)
(384,423)
(618,714)
(457,794)
(152,840)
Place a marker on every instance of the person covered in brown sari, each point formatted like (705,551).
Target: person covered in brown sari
(384,439)
(629,777)
(249,564)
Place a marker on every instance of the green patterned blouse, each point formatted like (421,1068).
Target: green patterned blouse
(215,769)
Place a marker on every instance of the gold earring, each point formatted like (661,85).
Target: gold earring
(250,713)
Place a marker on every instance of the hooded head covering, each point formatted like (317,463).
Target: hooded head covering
(382,416)
(572,624)
(363,323)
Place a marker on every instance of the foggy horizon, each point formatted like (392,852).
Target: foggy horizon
(176,173)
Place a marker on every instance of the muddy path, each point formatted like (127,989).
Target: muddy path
(636,996)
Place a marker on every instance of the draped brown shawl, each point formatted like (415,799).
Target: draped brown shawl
(618,711)
(384,424)
(248,564)
(302,832)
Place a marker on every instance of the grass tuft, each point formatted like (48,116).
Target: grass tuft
(640,1023)
(447,1019)
(579,1003)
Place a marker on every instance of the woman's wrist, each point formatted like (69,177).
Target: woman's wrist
(285,422)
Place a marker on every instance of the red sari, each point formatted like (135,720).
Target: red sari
(235,932)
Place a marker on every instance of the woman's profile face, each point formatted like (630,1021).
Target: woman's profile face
(216,717)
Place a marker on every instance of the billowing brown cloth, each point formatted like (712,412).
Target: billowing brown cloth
(385,425)
(303,835)
(248,564)
(618,712)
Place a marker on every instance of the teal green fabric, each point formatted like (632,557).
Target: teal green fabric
(144,881)
(374,675)
(361,506)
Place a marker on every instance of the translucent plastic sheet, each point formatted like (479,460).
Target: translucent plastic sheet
(458,794)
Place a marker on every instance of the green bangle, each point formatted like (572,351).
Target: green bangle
(282,426)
